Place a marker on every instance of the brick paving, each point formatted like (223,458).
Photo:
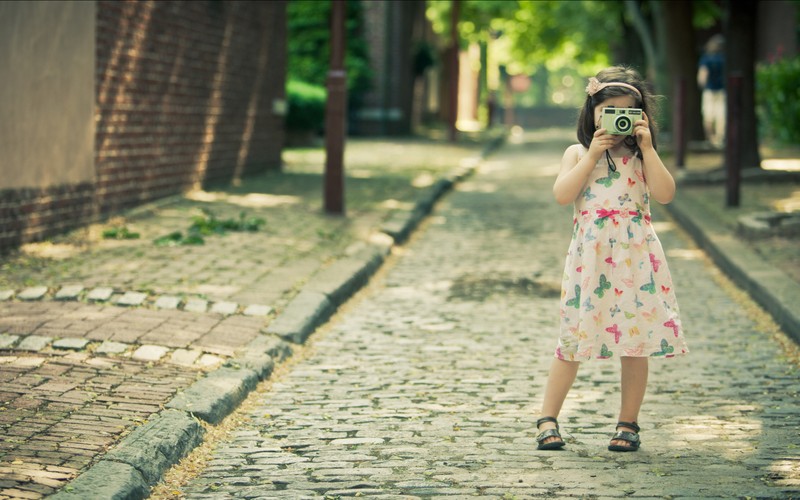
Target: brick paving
(429,384)
(62,409)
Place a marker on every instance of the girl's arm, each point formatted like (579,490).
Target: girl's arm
(574,171)
(658,178)
(573,174)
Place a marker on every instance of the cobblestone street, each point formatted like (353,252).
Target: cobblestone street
(428,384)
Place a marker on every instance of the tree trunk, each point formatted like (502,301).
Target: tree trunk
(642,29)
(682,64)
(740,57)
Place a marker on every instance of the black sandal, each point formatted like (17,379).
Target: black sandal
(632,438)
(549,433)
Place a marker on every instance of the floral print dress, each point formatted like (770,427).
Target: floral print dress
(617,297)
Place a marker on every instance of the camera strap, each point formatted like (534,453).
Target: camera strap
(612,167)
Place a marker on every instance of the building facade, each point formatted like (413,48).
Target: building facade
(108,105)
(403,93)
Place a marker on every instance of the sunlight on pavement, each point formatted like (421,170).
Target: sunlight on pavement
(48,250)
(469,162)
(728,436)
(686,254)
(787,471)
(261,200)
(251,200)
(393,204)
(423,180)
(791,164)
(662,227)
(360,173)
(477,187)
(790,204)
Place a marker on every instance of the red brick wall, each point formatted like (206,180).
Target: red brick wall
(184,98)
(29,214)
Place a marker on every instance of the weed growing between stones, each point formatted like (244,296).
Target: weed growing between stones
(120,233)
(208,224)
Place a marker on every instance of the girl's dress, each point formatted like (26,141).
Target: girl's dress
(617,297)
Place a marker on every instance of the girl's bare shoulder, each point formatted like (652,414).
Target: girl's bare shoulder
(576,151)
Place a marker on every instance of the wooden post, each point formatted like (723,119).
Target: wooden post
(679,122)
(455,7)
(336,114)
(733,150)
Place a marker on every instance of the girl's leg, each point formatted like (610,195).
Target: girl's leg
(634,385)
(559,382)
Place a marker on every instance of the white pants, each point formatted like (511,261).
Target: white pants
(714,116)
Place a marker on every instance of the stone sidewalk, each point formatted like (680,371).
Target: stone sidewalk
(428,384)
(105,339)
(762,258)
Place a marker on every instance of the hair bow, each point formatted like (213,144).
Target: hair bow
(594,86)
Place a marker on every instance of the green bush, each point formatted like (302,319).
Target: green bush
(306,106)
(778,98)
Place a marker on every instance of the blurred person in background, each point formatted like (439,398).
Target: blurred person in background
(711,79)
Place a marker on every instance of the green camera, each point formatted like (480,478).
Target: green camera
(619,121)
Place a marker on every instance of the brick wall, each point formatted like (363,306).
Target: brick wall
(29,214)
(184,98)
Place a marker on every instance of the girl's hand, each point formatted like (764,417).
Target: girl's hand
(641,129)
(601,142)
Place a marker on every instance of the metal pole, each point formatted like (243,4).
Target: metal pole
(455,6)
(336,114)
(679,122)
(733,159)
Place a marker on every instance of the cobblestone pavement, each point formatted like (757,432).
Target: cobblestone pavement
(428,385)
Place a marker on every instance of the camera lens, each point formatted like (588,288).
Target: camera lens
(623,123)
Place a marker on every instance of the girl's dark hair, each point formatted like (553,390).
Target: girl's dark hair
(586,124)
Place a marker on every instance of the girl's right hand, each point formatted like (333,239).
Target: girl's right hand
(601,142)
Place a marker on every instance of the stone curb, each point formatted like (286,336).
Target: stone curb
(768,285)
(140,460)
(106,479)
(345,277)
(215,396)
(302,316)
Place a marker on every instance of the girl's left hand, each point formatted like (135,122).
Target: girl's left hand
(641,129)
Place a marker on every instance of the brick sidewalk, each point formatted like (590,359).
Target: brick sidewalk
(97,335)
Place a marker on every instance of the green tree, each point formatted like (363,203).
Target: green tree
(538,38)
(547,39)
(309,45)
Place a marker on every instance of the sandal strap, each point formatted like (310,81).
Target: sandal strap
(629,425)
(630,437)
(546,419)
(548,434)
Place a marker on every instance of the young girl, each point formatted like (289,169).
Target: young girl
(618,300)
